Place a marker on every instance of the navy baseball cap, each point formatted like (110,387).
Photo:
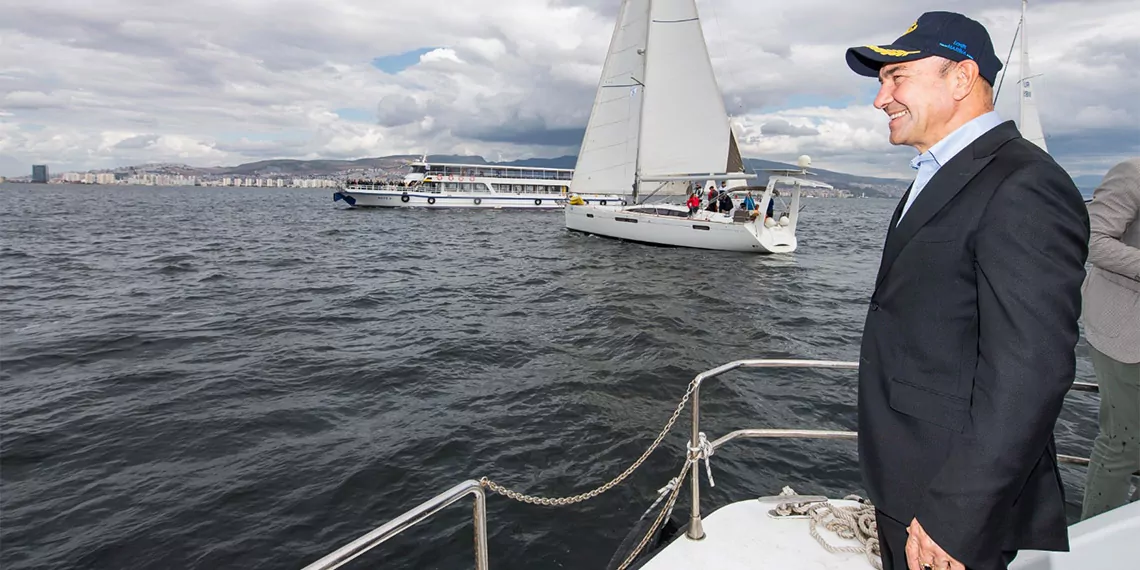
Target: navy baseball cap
(946,34)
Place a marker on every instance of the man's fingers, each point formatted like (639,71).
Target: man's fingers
(912,560)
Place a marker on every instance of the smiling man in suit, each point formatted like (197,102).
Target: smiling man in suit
(968,346)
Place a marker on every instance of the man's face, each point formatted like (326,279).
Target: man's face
(918,101)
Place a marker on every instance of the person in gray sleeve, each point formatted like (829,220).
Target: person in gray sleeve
(1112,326)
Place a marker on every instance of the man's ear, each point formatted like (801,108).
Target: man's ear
(966,76)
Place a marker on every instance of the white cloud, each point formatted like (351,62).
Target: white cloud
(439,55)
(222,82)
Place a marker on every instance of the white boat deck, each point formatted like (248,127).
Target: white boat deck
(1108,540)
(743,536)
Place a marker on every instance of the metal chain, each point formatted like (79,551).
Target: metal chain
(563,501)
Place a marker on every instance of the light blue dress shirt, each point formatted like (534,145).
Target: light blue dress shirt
(928,163)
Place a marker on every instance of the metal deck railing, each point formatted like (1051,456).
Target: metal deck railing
(695,530)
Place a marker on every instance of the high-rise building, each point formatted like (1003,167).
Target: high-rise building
(39,173)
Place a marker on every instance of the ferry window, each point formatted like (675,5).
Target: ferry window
(466,187)
(518,188)
(419,169)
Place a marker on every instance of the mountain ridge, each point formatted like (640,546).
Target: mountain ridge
(874,186)
(394,166)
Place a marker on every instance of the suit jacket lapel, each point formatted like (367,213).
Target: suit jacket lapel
(899,208)
(890,230)
(950,179)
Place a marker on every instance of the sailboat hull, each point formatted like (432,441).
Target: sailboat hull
(714,232)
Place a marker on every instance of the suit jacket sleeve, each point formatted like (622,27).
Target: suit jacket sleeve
(1115,205)
(1029,254)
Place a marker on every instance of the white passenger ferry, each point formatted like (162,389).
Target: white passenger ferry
(452,185)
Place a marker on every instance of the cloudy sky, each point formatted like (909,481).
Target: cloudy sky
(86,85)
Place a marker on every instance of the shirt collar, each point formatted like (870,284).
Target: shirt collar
(952,144)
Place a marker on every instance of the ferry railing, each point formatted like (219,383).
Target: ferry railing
(696,529)
(350,551)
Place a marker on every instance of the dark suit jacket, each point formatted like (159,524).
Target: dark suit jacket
(968,351)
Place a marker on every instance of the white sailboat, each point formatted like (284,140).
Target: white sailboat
(1029,122)
(1028,117)
(658,124)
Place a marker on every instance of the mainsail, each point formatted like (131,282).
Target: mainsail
(686,127)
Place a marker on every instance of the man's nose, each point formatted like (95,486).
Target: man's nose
(884,98)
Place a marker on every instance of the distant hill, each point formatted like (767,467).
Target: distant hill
(875,187)
(395,166)
(312,167)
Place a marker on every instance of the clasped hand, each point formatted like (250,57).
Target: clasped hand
(923,554)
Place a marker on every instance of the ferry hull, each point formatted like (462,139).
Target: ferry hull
(443,200)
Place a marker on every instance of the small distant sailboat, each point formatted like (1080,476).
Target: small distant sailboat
(658,125)
(1029,119)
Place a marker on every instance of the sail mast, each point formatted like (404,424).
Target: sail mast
(1029,117)
(641,109)
(1024,71)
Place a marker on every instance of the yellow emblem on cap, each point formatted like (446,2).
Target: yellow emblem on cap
(890,52)
(912,28)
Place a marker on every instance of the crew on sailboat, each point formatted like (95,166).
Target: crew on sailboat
(749,203)
(726,204)
(713,203)
(694,203)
